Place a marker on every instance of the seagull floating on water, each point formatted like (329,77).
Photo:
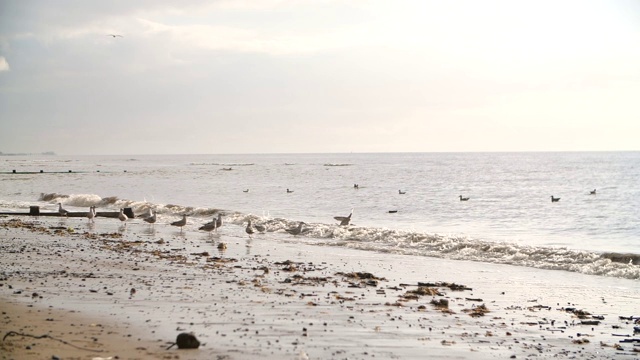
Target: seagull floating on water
(344,220)
(180,223)
(401,192)
(464,198)
(554,199)
(245,190)
(592,192)
(289,191)
(296,230)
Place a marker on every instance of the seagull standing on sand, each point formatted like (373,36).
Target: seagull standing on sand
(209,227)
(464,198)
(92,213)
(180,223)
(296,230)
(151,219)
(554,199)
(219,222)
(122,216)
(249,229)
(261,228)
(344,220)
(62,211)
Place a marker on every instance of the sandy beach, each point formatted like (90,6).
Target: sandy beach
(99,291)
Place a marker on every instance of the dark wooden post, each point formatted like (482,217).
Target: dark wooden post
(128,212)
(34,210)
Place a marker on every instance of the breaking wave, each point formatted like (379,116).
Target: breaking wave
(384,240)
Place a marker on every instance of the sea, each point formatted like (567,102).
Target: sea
(402,203)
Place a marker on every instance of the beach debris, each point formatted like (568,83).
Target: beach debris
(477,311)
(47,336)
(186,341)
(441,304)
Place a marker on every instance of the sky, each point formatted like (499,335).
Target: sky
(317,76)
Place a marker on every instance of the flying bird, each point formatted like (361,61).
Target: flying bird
(115,35)
(344,220)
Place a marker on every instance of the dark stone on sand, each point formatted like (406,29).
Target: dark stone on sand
(187,341)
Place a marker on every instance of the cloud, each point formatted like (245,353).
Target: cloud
(4,65)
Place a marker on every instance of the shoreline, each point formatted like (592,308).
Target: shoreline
(274,297)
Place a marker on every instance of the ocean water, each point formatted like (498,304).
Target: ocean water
(508,219)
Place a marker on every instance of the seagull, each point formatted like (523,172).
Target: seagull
(289,191)
(261,228)
(592,192)
(464,198)
(210,226)
(181,222)
(62,211)
(401,192)
(151,219)
(219,221)
(295,230)
(92,213)
(344,220)
(249,229)
(554,199)
(122,216)
(115,35)
(245,190)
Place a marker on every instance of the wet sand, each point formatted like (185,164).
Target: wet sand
(128,292)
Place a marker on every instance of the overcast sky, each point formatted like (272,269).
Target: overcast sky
(272,76)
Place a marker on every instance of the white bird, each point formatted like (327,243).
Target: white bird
(122,216)
(296,230)
(151,219)
(92,213)
(181,222)
(62,211)
(464,198)
(344,220)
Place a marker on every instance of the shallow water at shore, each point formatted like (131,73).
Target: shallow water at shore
(509,218)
